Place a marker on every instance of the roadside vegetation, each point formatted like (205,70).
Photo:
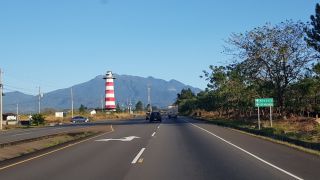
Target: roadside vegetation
(272,61)
(38,119)
(50,118)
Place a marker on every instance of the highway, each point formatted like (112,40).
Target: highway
(174,149)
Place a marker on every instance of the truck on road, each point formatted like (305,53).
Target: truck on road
(172,112)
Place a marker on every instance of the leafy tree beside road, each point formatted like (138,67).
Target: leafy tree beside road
(313,32)
(38,119)
(273,57)
(82,108)
(276,61)
(139,106)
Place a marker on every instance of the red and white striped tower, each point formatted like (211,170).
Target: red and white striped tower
(110,98)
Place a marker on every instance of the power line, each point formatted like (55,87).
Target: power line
(22,102)
(19,79)
(28,81)
(15,88)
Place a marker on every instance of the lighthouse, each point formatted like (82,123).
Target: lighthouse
(110,101)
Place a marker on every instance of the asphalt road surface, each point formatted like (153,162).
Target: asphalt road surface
(174,149)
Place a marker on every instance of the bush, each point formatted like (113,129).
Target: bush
(38,119)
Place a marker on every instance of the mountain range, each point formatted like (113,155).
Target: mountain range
(91,94)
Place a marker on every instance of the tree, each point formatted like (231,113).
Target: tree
(118,108)
(187,106)
(316,70)
(184,94)
(82,108)
(217,77)
(313,38)
(186,100)
(273,56)
(226,90)
(313,34)
(303,94)
(38,119)
(139,106)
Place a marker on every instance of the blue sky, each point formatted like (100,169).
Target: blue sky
(59,43)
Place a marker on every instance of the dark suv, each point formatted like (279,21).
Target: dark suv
(155,116)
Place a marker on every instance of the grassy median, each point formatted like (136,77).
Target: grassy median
(20,148)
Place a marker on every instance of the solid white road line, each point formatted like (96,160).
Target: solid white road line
(153,134)
(138,156)
(247,152)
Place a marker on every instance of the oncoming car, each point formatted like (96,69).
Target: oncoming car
(79,119)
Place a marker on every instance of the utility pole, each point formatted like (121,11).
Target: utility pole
(17,112)
(102,103)
(149,97)
(259,118)
(1,93)
(270,116)
(130,106)
(127,104)
(39,101)
(71,102)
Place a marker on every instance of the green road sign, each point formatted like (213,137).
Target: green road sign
(264,102)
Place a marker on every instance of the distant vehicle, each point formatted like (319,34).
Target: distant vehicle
(155,116)
(79,119)
(172,112)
